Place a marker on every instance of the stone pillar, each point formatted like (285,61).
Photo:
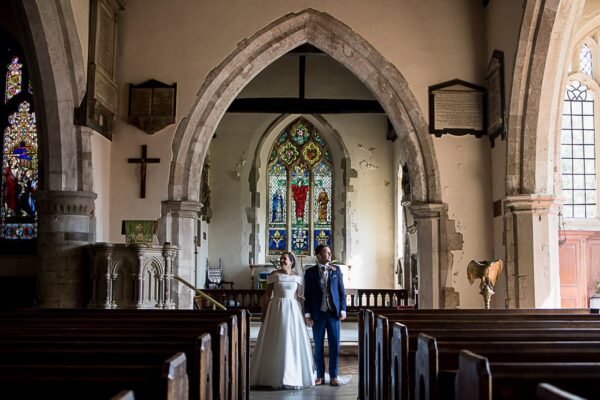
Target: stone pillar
(169,253)
(432,253)
(66,225)
(178,227)
(531,239)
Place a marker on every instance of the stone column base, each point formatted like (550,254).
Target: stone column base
(66,224)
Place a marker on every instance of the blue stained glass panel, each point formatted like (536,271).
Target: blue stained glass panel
(18,231)
(277,241)
(322,236)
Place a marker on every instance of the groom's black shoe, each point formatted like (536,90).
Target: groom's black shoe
(319,381)
(334,382)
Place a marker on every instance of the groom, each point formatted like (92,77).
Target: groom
(325,307)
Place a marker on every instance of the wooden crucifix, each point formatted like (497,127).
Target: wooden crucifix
(143,161)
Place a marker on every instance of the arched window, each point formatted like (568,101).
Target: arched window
(578,154)
(18,215)
(300,190)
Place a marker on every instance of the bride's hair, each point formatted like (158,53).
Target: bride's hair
(292,258)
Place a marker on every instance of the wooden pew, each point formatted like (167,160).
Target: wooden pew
(68,352)
(143,334)
(375,337)
(92,381)
(546,391)
(367,327)
(549,334)
(238,371)
(124,395)
(437,361)
(479,379)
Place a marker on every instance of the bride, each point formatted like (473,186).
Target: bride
(283,357)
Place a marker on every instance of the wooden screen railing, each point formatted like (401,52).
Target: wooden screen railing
(380,298)
(251,299)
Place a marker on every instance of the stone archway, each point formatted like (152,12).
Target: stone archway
(252,55)
(530,207)
(66,201)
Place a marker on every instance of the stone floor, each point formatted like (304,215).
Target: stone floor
(348,367)
(344,392)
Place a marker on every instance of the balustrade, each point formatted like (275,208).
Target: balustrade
(251,299)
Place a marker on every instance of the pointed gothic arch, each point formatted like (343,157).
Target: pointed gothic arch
(223,84)
(531,206)
(339,41)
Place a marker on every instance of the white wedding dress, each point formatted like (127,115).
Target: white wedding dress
(283,355)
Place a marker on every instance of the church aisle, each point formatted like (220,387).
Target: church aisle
(348,367)
(345,392)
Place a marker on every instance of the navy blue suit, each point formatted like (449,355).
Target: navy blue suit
(325,321)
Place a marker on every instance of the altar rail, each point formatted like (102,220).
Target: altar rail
(251,299)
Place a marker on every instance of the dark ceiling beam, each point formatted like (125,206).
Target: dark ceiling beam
(305,106)
(307,49)
(301,76)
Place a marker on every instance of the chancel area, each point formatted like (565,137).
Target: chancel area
(160,157)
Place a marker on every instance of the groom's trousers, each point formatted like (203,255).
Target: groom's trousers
(326,322)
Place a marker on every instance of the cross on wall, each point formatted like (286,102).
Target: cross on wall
(143,161)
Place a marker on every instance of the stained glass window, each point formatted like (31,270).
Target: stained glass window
(300,187)
(13,79)
(578,154)
(19,157)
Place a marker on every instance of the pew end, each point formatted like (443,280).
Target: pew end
(175,375)
(205,366)
(426,368)
(399,385)
(474,380)
(382,373)
(367,344)
(124,395)
(546,391)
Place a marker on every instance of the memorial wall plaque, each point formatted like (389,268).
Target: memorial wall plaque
(496,125)
(152,105)
(458,108)
(99,107)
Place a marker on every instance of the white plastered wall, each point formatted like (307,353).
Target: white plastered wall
(101,149)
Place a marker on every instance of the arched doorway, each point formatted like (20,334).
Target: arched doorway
(388,86)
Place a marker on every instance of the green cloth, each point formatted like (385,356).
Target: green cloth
(139,231)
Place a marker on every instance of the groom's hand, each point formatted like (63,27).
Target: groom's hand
(342,315)
(308,321)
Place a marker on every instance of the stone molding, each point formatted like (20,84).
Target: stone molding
(224,82)
(183,209)
(65,202)
(429,211)
(530,203)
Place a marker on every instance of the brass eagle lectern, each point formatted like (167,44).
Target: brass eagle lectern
(488,272)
